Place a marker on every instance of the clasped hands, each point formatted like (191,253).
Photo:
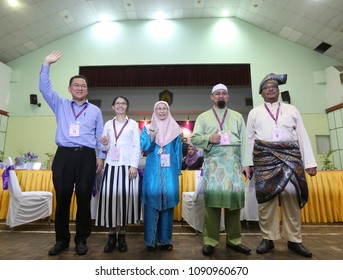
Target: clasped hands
(104,140)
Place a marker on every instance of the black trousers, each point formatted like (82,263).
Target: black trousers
(73,168)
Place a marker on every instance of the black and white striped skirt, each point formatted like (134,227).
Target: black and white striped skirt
(119,201)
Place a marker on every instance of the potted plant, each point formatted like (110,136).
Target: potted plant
(327,161)
(49,161)
(2,159)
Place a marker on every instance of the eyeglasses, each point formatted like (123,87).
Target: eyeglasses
(270,87)
(120,103)
(161,109)
(79,86)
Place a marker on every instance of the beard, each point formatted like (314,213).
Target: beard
(221,104)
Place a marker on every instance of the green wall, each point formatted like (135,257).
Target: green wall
(31,134)
(188,41)
(316,124)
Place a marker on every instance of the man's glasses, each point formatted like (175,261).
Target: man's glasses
(79,86)
(270,87)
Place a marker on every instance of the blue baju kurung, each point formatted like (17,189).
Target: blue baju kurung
(160,189)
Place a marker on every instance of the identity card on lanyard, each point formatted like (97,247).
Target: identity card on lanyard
(224,136)
(74,128)
(276,131)
(165,160)
(116,150)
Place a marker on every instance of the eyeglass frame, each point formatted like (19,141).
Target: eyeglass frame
(120,103)
(79,86)
(274,87)
(159,109)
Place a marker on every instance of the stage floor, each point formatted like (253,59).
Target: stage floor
(32,242)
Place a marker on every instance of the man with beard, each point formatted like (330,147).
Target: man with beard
(221,133)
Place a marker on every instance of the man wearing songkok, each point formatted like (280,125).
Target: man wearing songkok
(281,153)
(221,133)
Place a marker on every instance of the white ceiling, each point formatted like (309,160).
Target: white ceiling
(38,22)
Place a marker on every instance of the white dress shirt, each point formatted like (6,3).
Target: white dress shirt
(260,126)
(128,142)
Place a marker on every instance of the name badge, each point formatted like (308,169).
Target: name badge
(74,129)
(224,139)
(115,153)
(276,134)
(165,160)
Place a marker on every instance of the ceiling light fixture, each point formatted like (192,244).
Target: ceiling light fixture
(160,16)
(225,13)
(104,18)
(13,3)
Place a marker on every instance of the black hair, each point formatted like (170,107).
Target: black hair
(78,77)
(126,100)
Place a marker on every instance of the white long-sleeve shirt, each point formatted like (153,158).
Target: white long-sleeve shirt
(260,126)
(128,142)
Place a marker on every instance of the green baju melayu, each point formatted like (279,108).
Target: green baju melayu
(223,180)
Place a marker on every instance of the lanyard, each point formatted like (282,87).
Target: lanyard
(270,113)
(115,130)
(223,119)
(83,109)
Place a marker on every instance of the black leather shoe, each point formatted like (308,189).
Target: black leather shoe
(299,249)
(207,250)
(81,248)
(265,246)
(167,247)
(240,248)
(122,246)
(59,247)
(111,243)
(151,248)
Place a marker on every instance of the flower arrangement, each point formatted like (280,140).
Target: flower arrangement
(30,157)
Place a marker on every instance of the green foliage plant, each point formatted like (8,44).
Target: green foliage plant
(327,161)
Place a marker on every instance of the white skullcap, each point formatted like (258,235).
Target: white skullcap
(219,86)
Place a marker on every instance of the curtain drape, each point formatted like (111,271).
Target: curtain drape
(198,75)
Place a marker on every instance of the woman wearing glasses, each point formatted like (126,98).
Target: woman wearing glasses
(161,140)
(119,201)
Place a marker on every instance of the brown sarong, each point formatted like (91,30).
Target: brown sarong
(277,163)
